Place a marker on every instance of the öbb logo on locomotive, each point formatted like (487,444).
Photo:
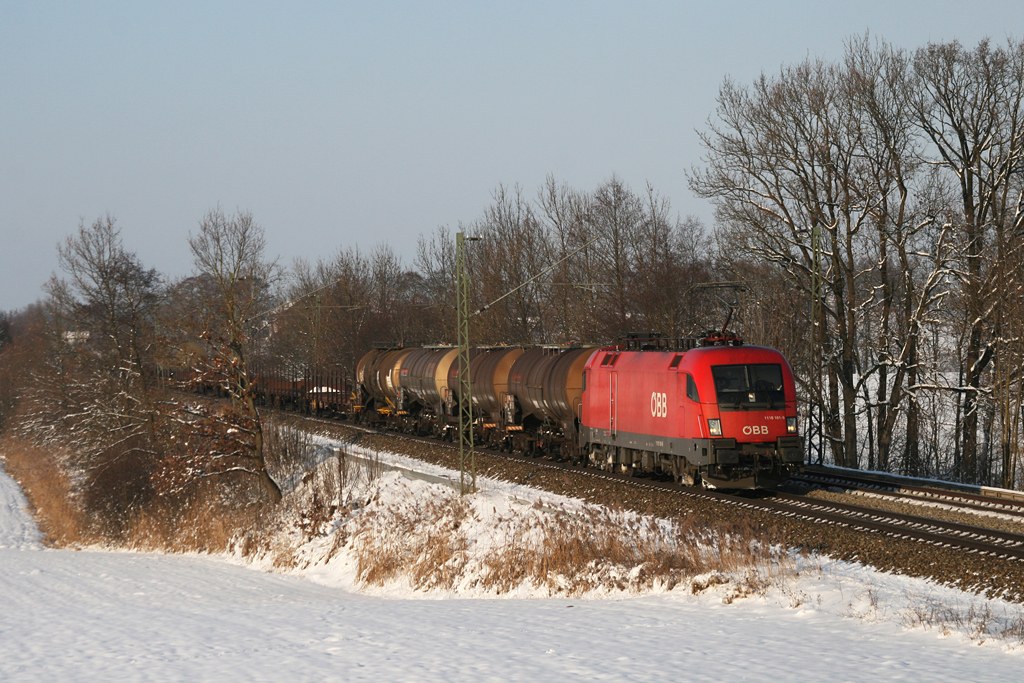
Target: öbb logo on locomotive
(733,422)
(659,404)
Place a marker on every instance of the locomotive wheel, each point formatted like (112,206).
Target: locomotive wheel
(567,451)
(681,474)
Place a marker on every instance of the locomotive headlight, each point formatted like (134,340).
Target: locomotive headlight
(791,425)
(715,427)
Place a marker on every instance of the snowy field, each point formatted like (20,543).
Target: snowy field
(98,616)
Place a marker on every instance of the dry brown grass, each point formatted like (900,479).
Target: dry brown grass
(432,542)
(227,513)
(204,521)
(421,541)
(435,542)
(48,490)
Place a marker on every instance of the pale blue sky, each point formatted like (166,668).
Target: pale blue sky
(343,123)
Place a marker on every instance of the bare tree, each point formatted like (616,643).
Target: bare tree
(911,252)
(8,387)
(834,150)
(326,315)
(1008,370)
(782,162)
(577,284)
(108,295)
(92,387)
(617,215)
(968,103)
(910,169)
(23,345)
(669,261)
(435,261)
(230,297)
(514,248)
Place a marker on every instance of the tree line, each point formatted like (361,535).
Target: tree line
(908,168)
(869,224)
(95,366)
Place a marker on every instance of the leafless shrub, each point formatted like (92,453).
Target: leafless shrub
(326,492)
(208,518)
(118,484)
(978,622)
(315,510)
(289,452)
(373,467)
(341,473)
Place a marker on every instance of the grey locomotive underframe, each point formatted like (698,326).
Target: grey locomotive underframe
(721,459)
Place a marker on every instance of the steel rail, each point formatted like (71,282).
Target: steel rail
(965,535)
(961,499)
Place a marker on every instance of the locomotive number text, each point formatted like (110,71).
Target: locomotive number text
(659,404)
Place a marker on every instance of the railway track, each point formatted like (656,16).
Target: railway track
(1001,544)
(940,534)
(961,500)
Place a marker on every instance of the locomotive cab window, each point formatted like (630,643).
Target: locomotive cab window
(691,389)
(749,387)
(607,359)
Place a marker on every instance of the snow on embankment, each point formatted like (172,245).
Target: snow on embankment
(17,528)
(392,534)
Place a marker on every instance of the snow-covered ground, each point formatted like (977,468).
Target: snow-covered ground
(93,615)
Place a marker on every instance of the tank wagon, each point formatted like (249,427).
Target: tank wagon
(705,410)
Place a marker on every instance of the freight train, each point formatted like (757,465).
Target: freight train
(707,410)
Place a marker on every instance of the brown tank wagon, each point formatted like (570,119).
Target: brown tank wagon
(488,372)
(548,382)
(363,366)
(380,372)
(512,387)
(424,376)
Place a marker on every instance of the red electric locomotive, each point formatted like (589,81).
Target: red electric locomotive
(708,410)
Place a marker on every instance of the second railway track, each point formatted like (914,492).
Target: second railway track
(916,494)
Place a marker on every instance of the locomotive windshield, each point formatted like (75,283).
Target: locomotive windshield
(749,387)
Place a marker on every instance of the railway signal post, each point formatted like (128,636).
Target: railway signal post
(815,408)
(462,298)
